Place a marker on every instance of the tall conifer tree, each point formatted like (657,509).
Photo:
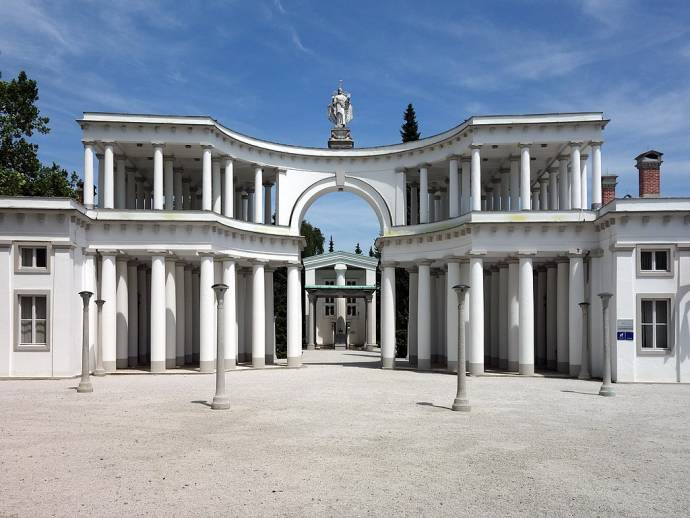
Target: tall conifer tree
(409,131)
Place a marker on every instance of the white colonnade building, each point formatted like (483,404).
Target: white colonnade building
(514,206)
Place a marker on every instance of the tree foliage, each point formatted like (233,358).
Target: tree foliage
(314,239)
(409,130)
(330,244)
(358,249)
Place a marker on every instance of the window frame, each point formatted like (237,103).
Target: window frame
(670,324)
(655,273)
(329,302)
(351,302)
(21,245)
(18,345)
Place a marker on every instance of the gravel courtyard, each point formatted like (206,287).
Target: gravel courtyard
(340,438)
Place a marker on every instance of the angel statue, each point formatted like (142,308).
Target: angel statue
(340,109)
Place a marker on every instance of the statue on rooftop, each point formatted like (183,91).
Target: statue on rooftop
(340,113)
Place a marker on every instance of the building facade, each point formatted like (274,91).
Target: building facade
(514,206)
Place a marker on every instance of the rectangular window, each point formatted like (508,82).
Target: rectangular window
(654,320)
(33,258)
(654,261)
(329,305)
(33,322)
(351,302)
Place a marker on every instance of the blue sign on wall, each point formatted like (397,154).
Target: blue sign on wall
(624,335)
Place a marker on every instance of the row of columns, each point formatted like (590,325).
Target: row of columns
(164,313)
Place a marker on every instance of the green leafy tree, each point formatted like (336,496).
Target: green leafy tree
(314,239)
(330,244)
(358,250)
(409,130)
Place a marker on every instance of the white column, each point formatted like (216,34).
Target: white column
(453,190)
(465,189)
(543,193)
(424,315)
(191,313)
(108,178)
(388,317)
(186,194)
(514,182)
(132,315)
(563,184)
(505,189)
(476,178)
(109,311)
(498,315)
(258,215)
(294,317)
(553,188)
(551,316)
(525,177)
(562,355)
(400,215)
(196,315)
(168,186)
(158,194)
(158,313)
(513,313)
(180,316)
(230,322)
(177,188)
(575,178)
(101,181)
(526,325)
(576,294)
(476,345)
(452,279)
(258,316)
(540,319)
(131,194)
(270,316)
(583,182)
(414,204)
(423,194)
(143,314)
(120,183)
(596,175)
(206,180)
(340,302)
(206,315)
(229,198)
(88,174)
(122,316)
(268,214)
(215,185)
(535,198)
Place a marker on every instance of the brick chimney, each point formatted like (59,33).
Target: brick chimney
(649,167)
(608,188)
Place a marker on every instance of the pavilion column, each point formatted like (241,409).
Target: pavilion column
(465,189)
(177,188)
(514,182)
(438,206)
(132,315)
(340,302)
(505,189)
(206,179)
(575,178)
(543,193)
(553,188)
(170,314)
(258,316)
(101,180)
(158,313)
(180,310)
(429,195)
(526,323)
(535,198)
(158,194)
(596,175)
(476,178)
(412,321)
(501,311)
(206,315)
(245,205)
(215,186)
(294,317)
(562,355)
(229,198)
(551,316)
(88,174)
(414,204)
(371,323)
(514,321)
(108,177)
(496,192)
(491,315)
(424,315)
(540,303)
(186,194)
(423,194)
(311,332)
(122,316)
(388,317)
(452,337)
(583,182)
(476,345)
(143,315)
(190,314)
(230,314)
(576,295)
(268,212)
(131,193)
(453,188)
(196,315)
(270,313)
(258,215)
(168,185)
(109,311)
(563,184)
(525,177)
(120,183)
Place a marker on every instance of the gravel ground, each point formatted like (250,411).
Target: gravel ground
(340,438)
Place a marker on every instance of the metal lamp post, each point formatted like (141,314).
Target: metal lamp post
(584,361)
(100,371)
(220,400)
(85,383)
(606,387)
(461,403)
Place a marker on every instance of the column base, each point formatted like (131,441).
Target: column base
(258,362)
(461,405)
(207,366)
(388,363)
(158,366)
(476,369)
(370,347)
(423,364)
(220,403)
(513,366)
(574,370)
(170,363)
(606,391)
(122,363)
(84,387)
(99,372)
(230,363)
(179,361)
(132,361)
(109,366)
(563,367)
(526,369)
(502,364)
(187,359)
(269,359)
(294,363)
(311,347)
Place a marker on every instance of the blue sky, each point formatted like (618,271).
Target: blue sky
(267,68)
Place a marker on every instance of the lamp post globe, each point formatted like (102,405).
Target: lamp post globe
(461,403)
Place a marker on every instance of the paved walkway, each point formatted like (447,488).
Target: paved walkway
(338,438)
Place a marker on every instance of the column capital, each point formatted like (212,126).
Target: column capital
(89,142)
(543,178)
(207,146)
(168,158)
(563,158)
(596,143)
(475,146)
(523,145)
(160,145)
(575,144)
(388,264)
(454,156)
(424,262)
(576,252)
(412,269)
(424,165)
(206,254)
(526,253)
(476,253)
